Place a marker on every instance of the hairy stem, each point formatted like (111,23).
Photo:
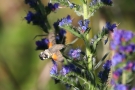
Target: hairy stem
(88,51)
(87,38)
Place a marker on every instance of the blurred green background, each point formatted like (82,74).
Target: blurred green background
(20,67)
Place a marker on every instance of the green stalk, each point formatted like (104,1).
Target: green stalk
(87,38)
(124,77)
(88,51)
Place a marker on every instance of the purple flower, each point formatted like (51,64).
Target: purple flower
(130,48)
(103,75)
(113,45)
(54,70)
(107,2)
(133,88)
(107,65)
(42,45)
(117,58)
(112,82)
(117,34)
(75,53)
(65,21)
(62,33)
(84,24)
(32,3)
(117,73)
(71,5)
(65,70)
(133,67)
(127,35)
(61,37)
(56,25)
(29,17)
(36,19)
(128,66)
(93,2)
(110,27)
(74,68)
(53,7)
(120,87)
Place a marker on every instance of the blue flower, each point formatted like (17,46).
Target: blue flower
(53,7)
(117,35)
(56,25)
(84,24)
(42,45)
(29,17)
(127,35)
(107,2)
(120,87)
(117,73)
(130,48)
(61,37)
(54,70)
(103,75)
(133,67)
(107,65)
(32,3)
(71,5)
(65,21)
(74,53)
(65,70)
(74,68)
(110,27)
(36,19)
(113,45)
(133,88)
(93,2)
(117,58)
(129,66)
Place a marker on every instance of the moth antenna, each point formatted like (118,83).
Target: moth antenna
(38,36)
(72,42)
(118,24)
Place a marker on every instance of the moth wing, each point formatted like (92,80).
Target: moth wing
(56,47)
(51,38)
(59,65)
(59,56)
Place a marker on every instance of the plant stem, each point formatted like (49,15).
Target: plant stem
(87,38)
(88,51)
(124,77)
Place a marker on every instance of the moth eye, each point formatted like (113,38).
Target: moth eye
(42,56)
(46,56)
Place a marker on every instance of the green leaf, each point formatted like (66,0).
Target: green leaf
(101,61)
(65,80)
(62,2)
(87,32)
(94,8)
(83,1)
(73,31)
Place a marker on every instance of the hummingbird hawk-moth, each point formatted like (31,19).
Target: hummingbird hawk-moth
(53,50)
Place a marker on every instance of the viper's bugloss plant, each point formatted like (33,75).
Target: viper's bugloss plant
(74,67)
